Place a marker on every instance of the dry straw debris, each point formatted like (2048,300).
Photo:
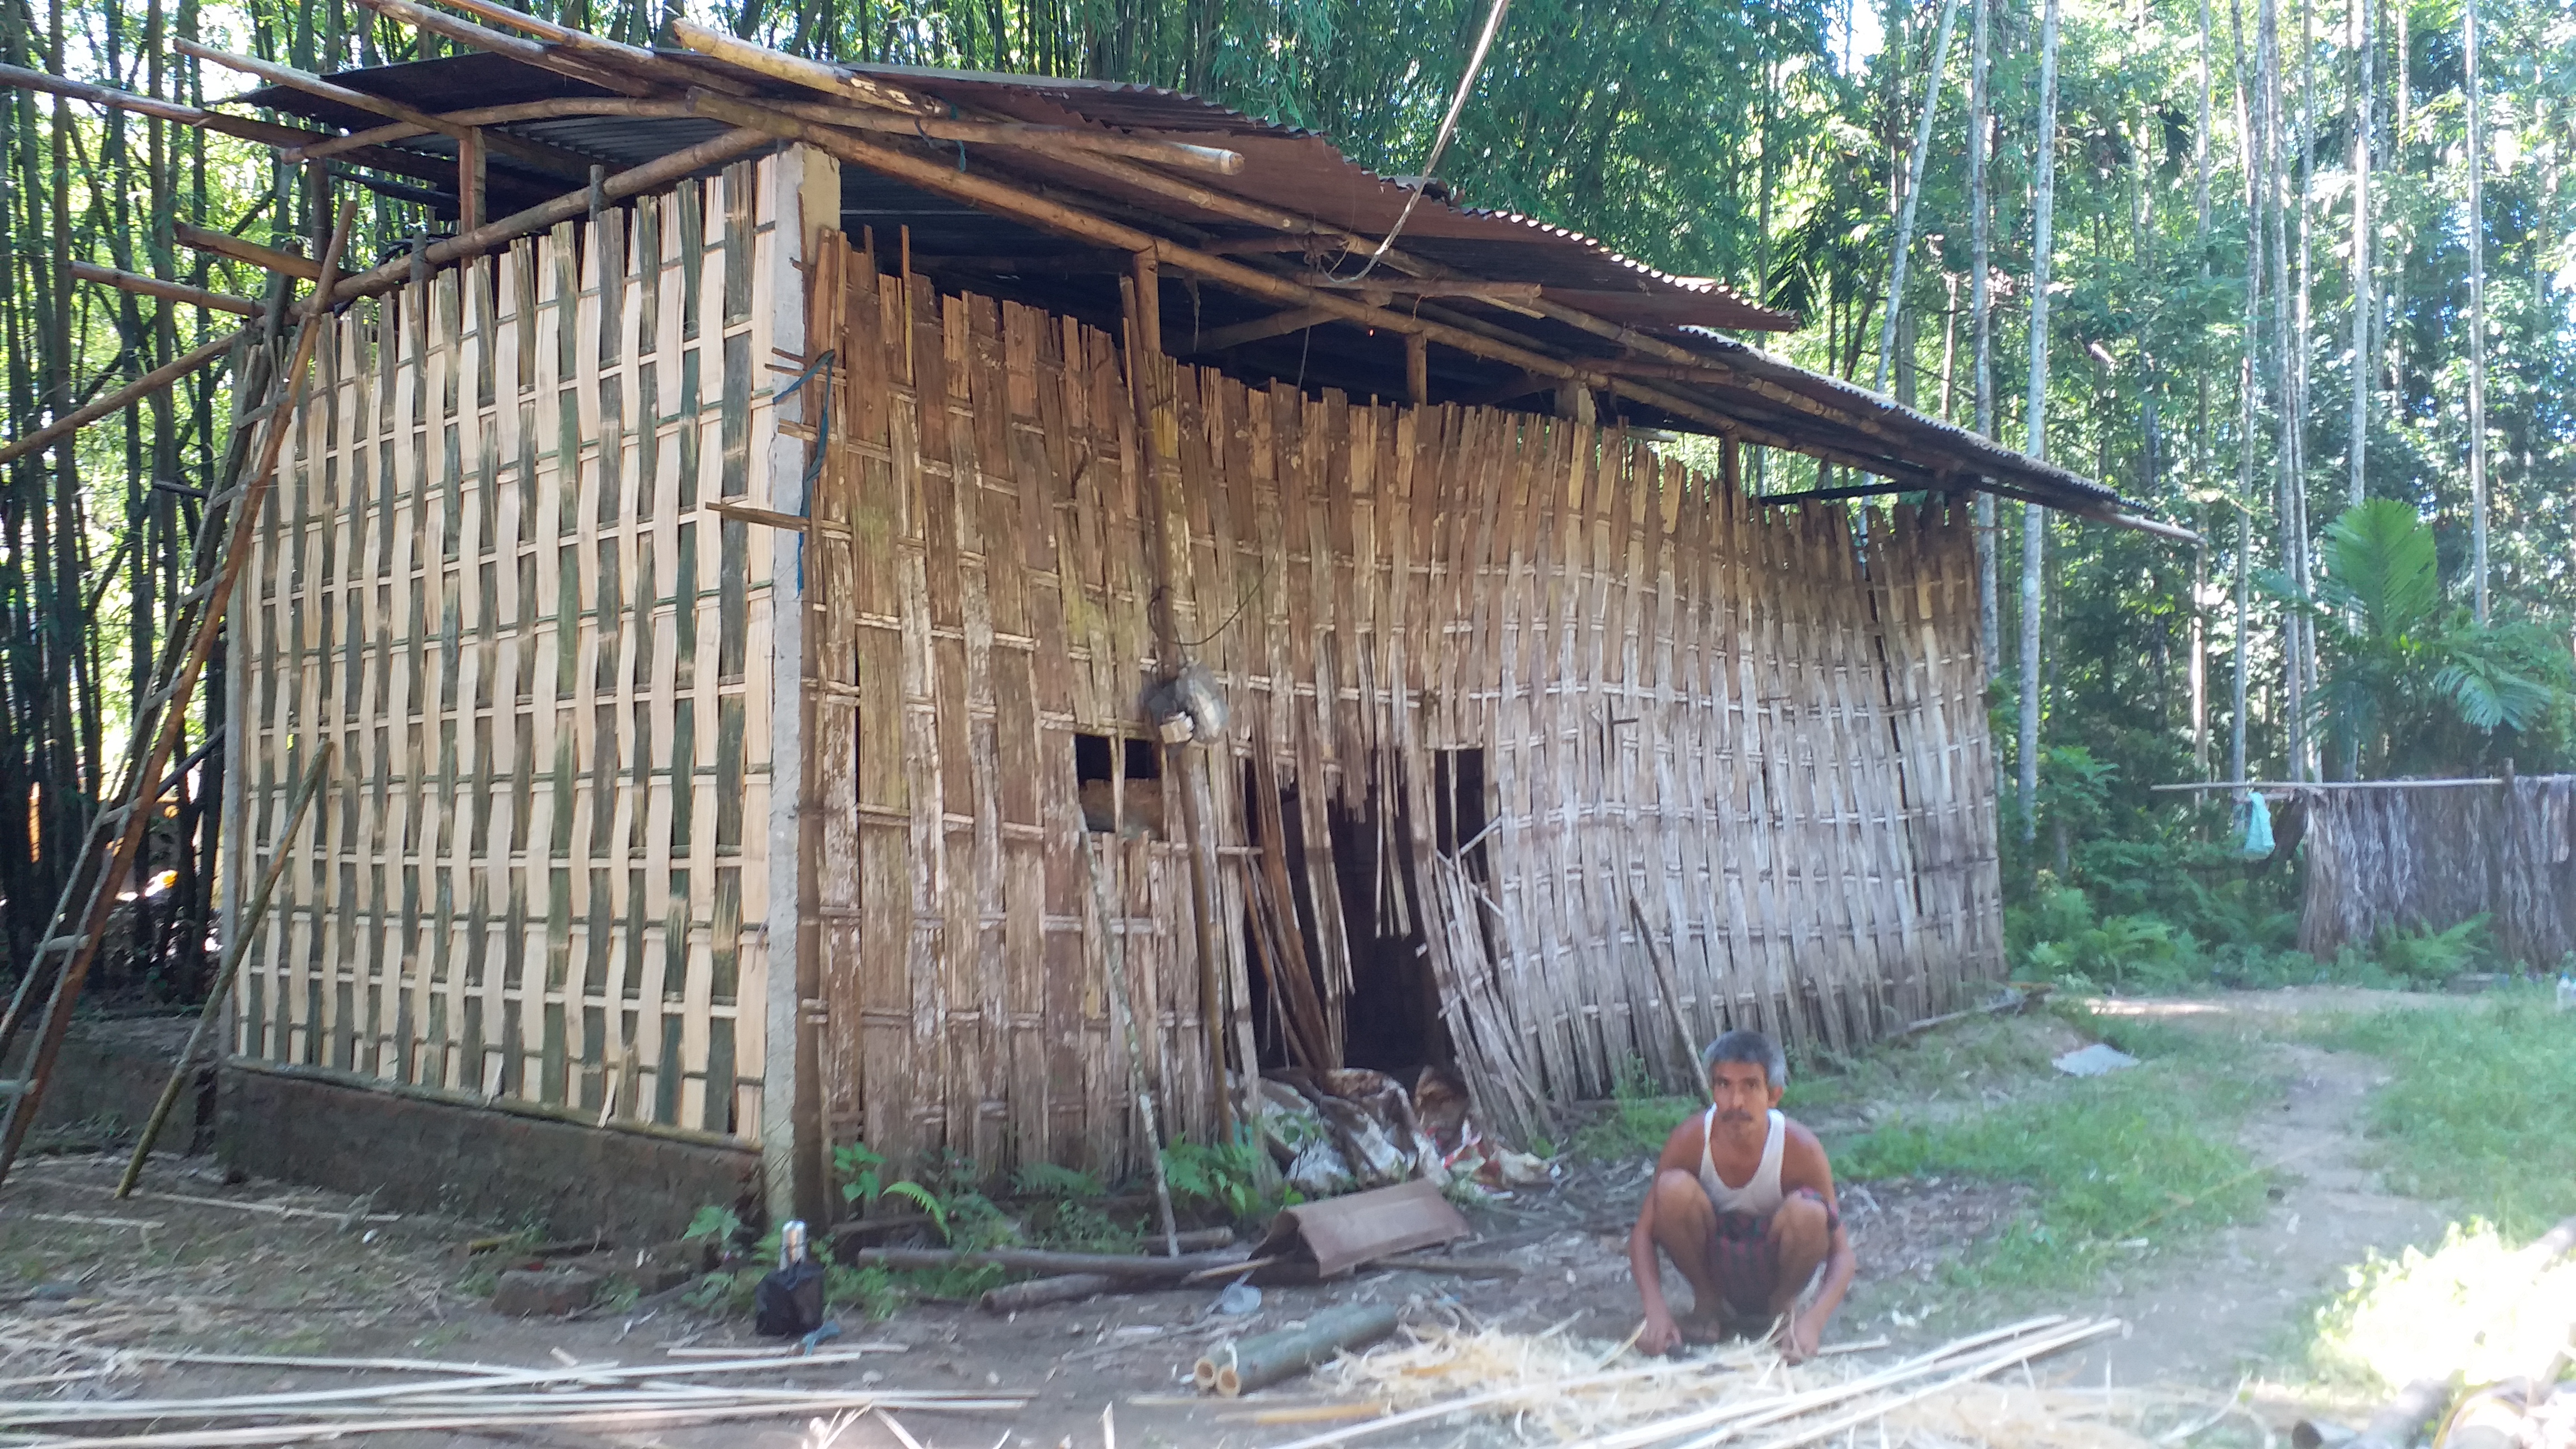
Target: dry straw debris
(1553,1389)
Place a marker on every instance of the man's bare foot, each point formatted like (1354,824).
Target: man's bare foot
(1699,1330)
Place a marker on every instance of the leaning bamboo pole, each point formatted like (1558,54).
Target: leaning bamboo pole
(168,291)
(170,703)
(121,399)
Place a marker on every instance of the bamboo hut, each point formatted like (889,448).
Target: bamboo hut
(901,606)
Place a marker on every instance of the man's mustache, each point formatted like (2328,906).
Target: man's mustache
(1734,1116)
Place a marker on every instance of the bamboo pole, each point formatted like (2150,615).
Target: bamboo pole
(124,397)
(651,176)
(170,702)
(173,291)
(488,116)
(265,132)
(222,245)
(534,153)
(1054,140)
(234,949)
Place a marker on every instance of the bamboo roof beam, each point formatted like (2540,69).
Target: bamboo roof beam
(1050,140)
(170,291)
(1295,319)
(489,116)
(537,154)
(466,32)
(123,398)
(636,61)
(651,176)
(991,195)
(198,239)
(267,133)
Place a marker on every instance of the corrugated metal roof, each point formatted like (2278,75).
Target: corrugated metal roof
(1289,171)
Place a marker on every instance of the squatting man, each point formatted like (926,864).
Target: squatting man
(1743,1204)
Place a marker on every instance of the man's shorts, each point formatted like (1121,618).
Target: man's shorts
(1746,1263)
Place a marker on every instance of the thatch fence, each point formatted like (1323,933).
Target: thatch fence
(2431,857)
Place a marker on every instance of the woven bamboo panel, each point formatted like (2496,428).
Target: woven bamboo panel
(1734,762)
(2430,859)
(490,577)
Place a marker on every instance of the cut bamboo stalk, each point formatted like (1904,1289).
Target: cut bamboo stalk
(248,1438)
(121,399)
(484,1377)
(173,291)
(1236,1369)
(230,966)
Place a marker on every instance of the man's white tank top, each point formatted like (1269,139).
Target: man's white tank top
(1757,1197)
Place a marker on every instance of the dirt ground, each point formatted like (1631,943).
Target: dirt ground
(187,1265)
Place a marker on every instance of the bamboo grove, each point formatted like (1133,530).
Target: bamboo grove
(2268,223)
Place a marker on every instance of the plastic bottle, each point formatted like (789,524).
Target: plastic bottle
(2566,992)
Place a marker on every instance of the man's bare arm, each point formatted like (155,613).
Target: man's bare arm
(1803,1165)
(1681,1150)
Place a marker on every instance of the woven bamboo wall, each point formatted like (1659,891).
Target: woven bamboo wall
(491,579)
(2430,859)
(1734,775)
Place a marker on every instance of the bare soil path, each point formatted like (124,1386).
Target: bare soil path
(78,1267)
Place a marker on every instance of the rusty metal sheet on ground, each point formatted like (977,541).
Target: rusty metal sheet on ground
(1342,1233)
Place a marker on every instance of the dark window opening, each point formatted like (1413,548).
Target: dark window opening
(1093,781)
(1144,761)
(1458,787)
(1120,801)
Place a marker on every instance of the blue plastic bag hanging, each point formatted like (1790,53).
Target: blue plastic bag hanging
(2258,828)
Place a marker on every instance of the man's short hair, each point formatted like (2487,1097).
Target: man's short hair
(1751,1047)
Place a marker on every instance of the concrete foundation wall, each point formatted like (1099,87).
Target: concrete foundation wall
(415,1153)
(420,1155)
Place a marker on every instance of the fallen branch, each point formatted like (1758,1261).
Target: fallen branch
(1037,1292)
(1036,1260)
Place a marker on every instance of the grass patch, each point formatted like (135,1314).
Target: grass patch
(2482,1111)
(2119,1164)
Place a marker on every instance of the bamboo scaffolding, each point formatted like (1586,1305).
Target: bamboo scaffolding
(143,783)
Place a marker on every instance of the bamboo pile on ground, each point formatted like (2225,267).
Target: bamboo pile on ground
(443,1397)
(1551,1389)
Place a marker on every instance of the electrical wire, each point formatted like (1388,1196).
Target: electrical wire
(1440,143)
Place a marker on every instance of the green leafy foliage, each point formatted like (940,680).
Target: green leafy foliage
(2482,1111)
(2413,682)
(713,1223)
(2117,1165)
(1225,1177)
(1638,1121)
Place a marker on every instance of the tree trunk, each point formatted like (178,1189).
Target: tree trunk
(1914,190)
(1982,326)
(2363,307)
(2477,163)
(2035,518)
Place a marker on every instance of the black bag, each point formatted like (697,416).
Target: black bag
(789,1302)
